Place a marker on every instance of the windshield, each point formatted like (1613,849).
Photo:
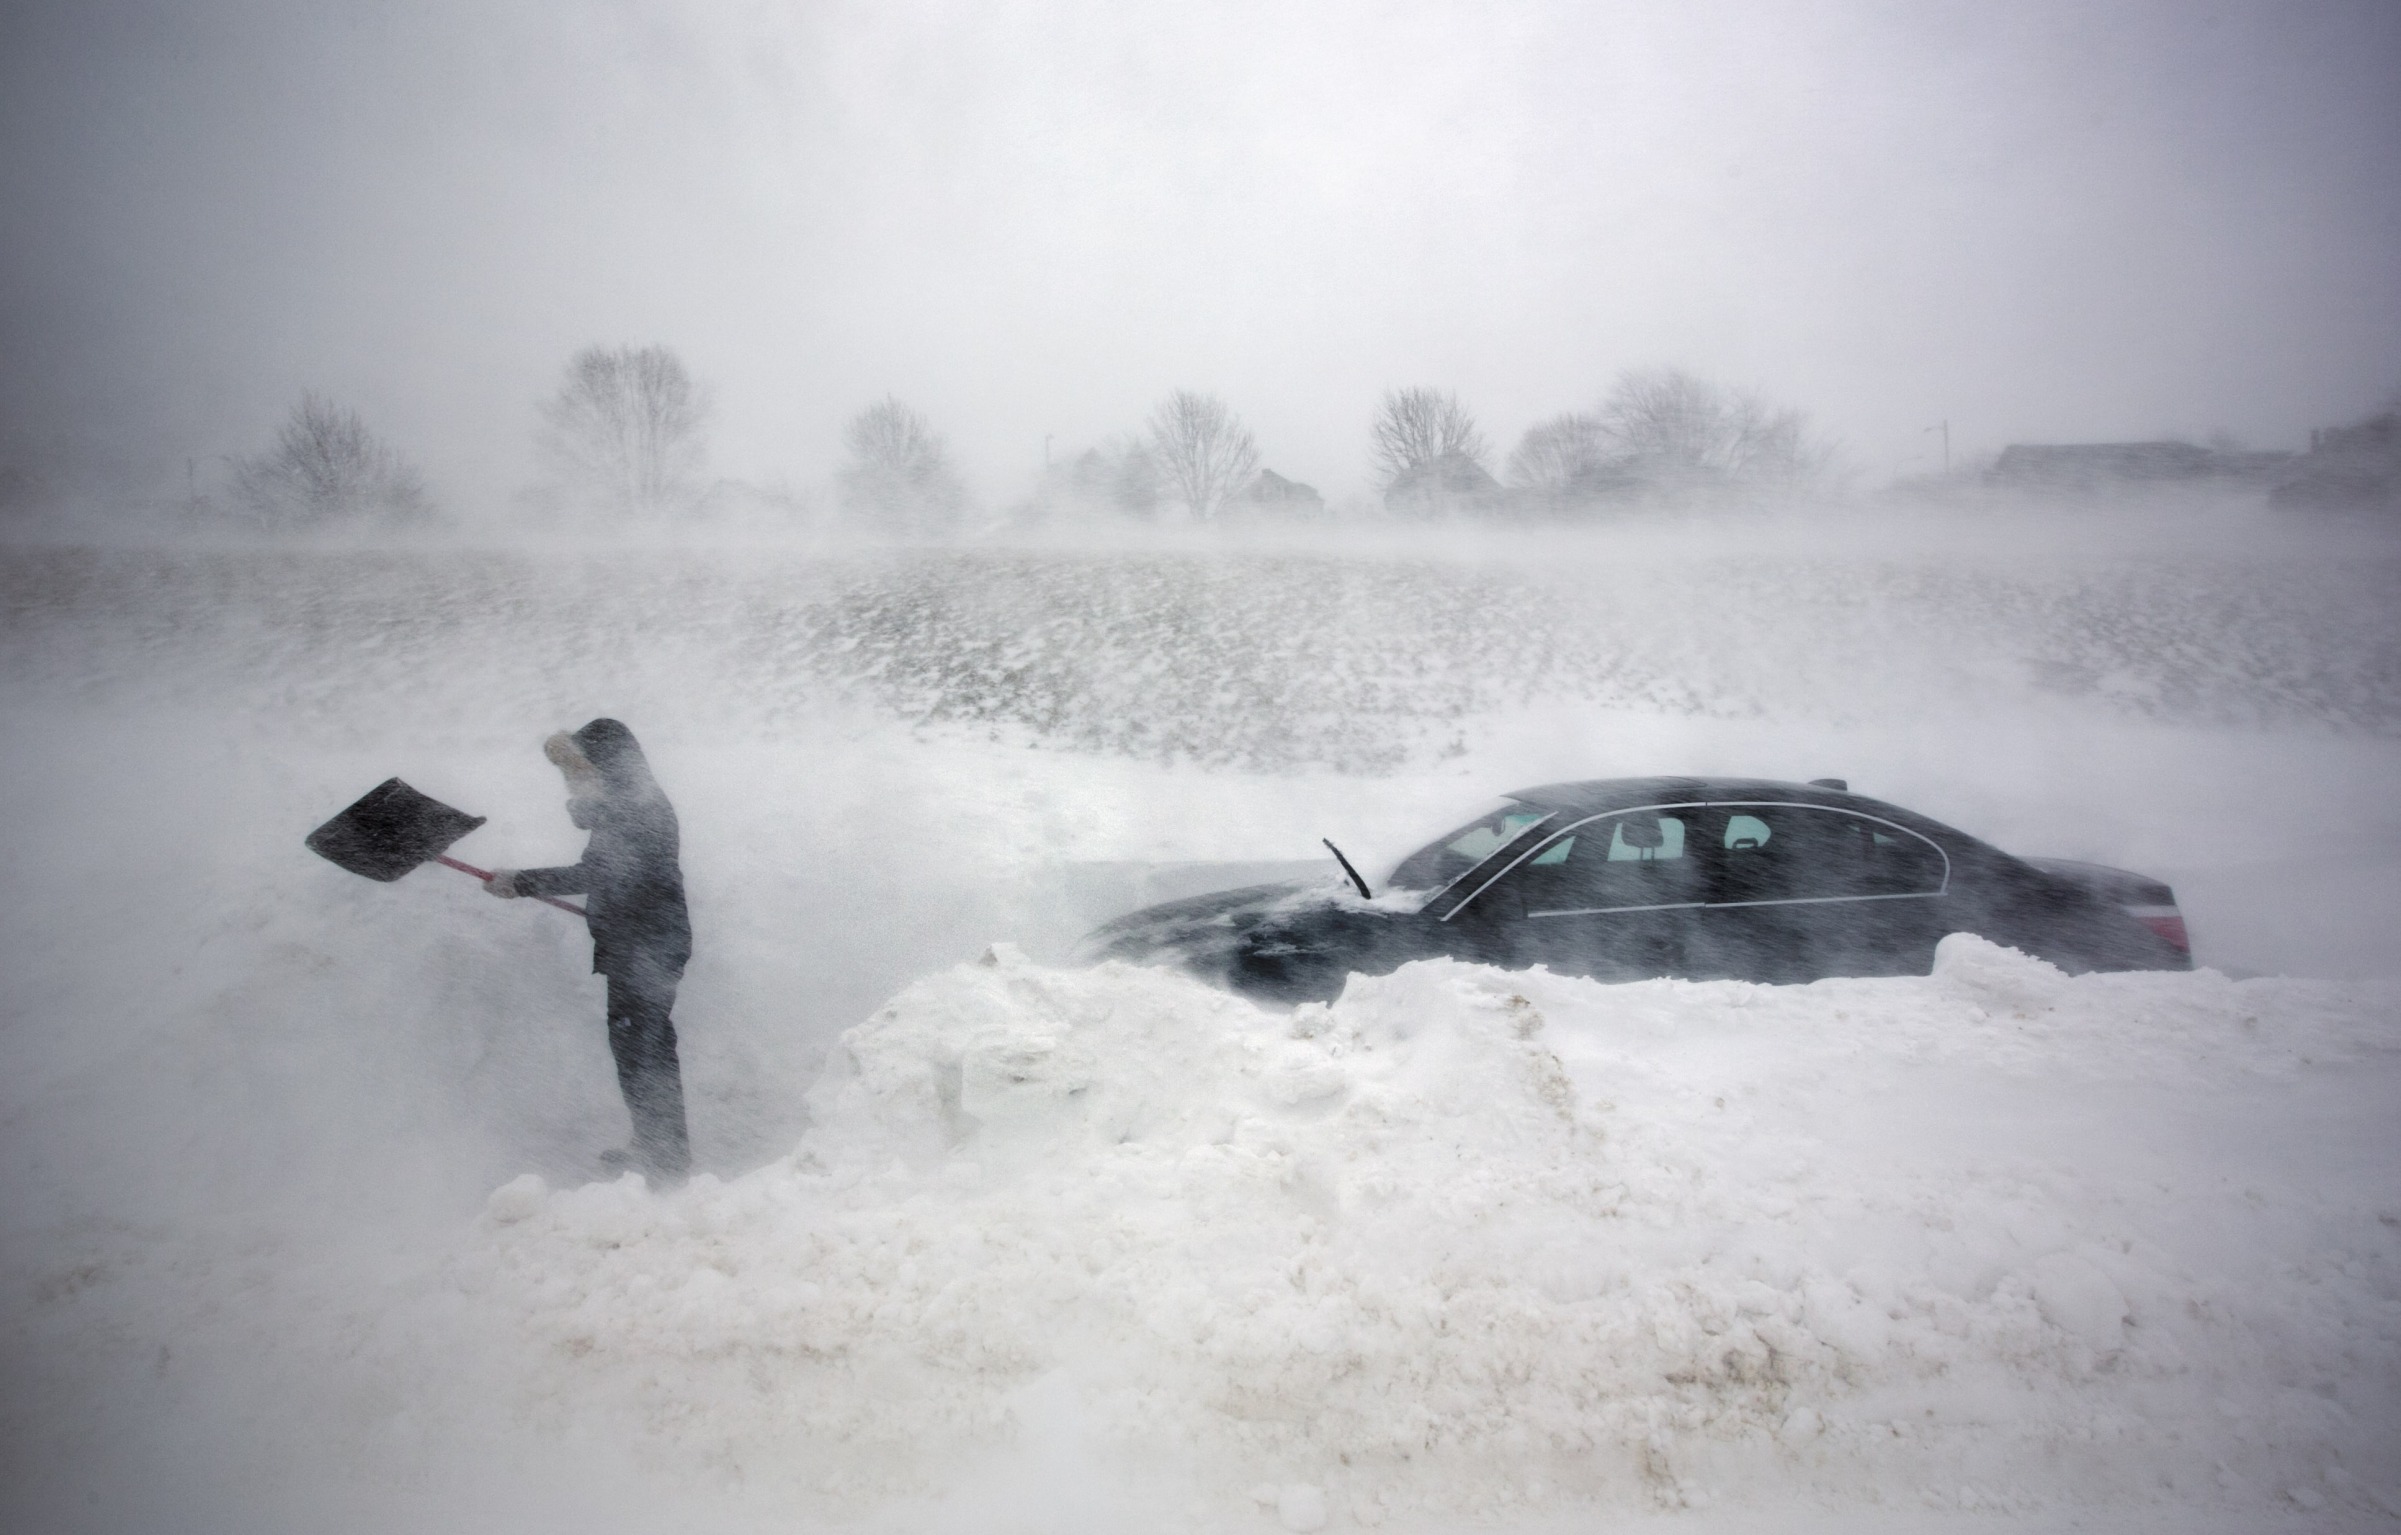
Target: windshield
(1446,858)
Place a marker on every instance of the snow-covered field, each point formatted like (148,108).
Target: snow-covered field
(301,1234)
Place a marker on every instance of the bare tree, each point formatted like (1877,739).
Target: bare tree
(1202,452)
(1559,456)
(1671,429)
(1774,446)
(1415,428)
(899,472)
(625,429)
(1664,419)
(327,467)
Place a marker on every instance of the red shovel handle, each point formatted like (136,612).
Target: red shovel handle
(449,862)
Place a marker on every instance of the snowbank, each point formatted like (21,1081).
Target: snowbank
(1473,1241)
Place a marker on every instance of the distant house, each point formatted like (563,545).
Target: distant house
(1611,481)
(1451,482)
(2085,465)
(1118,477)
(1588,491)
(2253,468)
(2347,466)
(2101,465)
(1273,494)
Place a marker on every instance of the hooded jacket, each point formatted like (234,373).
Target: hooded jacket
(630,875)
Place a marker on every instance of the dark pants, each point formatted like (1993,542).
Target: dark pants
(642,1038)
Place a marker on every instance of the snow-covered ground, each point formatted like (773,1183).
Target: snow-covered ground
(301,1233)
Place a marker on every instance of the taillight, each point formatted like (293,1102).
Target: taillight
(2166,921)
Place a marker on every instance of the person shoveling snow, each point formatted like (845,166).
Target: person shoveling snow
(641,930)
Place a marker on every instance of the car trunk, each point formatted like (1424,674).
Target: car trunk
(2146,900)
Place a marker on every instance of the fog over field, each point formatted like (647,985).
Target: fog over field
(933,564)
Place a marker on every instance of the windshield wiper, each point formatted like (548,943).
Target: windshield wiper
(1364,893)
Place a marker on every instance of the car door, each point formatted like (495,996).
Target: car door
(1806,891)
(1610,897)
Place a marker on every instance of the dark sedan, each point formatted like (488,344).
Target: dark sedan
(1707,878)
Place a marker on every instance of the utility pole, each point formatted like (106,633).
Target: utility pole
(1945,429)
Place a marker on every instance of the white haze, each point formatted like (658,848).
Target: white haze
(2042,222)
(302,1232)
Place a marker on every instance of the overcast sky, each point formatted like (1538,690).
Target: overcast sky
(2041,222)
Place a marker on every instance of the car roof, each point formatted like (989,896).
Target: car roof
(1597,796)
(1591,795)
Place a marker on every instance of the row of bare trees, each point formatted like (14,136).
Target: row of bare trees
(1658,433)
(1194,460)
(622,438)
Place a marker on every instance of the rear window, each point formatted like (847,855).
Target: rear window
(1812,853)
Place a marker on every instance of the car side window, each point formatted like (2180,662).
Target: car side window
(1637,859)
(1438,863)
(1486,838)
(1805,852)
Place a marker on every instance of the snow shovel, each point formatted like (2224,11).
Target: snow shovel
(393,828)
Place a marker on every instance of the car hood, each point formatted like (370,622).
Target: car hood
(1202,926)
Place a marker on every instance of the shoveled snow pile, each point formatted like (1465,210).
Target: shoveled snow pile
(1993,1239)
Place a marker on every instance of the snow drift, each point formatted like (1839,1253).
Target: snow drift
(1466,1241)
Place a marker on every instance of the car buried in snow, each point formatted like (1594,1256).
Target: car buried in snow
(1702,878)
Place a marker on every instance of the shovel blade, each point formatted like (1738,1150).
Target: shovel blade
(390,831)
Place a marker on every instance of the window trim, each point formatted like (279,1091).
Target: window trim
(1503,872)
(1710,804)
(1531,829)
